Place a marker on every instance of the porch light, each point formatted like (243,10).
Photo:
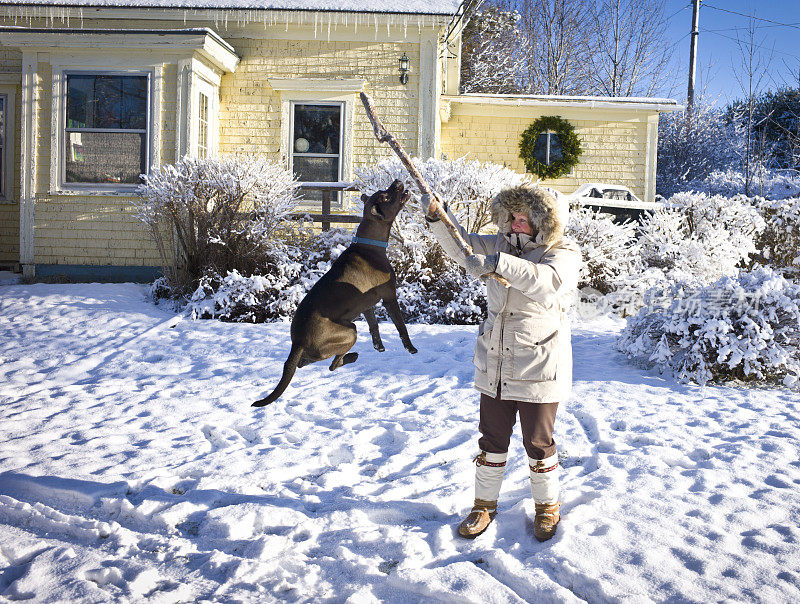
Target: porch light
(404,69)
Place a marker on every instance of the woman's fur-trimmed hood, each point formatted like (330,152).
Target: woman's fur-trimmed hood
(543,209)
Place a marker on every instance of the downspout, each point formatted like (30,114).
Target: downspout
(28,152)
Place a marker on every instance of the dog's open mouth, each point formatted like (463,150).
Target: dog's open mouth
(404,197)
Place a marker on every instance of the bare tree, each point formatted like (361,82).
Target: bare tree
(493,52)
(751,73)
(555,33)
(630,55)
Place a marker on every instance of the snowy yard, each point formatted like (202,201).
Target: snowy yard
(132,468)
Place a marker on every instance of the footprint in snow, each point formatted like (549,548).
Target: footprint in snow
(221,437)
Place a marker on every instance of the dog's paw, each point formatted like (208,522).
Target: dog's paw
(411,349)
(379,347)
(261,403)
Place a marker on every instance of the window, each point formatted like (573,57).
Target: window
(202,127)
(3,150)
(105,129)
(316,144)
(548,148)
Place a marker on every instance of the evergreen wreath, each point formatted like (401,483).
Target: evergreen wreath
(570,146)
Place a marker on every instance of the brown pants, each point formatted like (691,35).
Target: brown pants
(497,423)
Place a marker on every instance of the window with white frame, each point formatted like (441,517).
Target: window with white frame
(204,118)
(202,126)
(547,149)
(315,153)
(106,129)
(3,149)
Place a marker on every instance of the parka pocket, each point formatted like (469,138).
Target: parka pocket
(479,359)
(535,359)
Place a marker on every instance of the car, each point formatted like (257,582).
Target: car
(617,200)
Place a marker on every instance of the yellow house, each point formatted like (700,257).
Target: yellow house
(94,92)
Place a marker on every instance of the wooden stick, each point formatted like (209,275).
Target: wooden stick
(436,207)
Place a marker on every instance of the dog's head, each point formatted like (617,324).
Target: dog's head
(384,206)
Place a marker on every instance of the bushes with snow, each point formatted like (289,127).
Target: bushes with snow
(433,289)
(705,237)
(610,250)
(691,149)
(745,328)
(779,243)
(764,183)
(466,186)
(273,295)
(225,214)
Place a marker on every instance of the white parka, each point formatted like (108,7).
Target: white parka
(524,345)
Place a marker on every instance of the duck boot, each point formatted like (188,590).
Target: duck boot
(545,490)
(489,471)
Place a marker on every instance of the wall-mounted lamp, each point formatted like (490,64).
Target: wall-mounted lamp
(404,61)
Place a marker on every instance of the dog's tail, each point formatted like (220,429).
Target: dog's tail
(289,367)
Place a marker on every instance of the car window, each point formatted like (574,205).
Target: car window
(613,194)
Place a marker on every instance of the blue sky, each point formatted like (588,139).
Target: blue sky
(718,53)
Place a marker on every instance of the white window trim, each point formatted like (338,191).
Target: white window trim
(10,93)
(288,99)
(203,86)
(58,123)
(571,173)
(340,153)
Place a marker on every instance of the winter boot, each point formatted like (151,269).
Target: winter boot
(488,478)
(545,490)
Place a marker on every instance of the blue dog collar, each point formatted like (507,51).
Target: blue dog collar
(374,242)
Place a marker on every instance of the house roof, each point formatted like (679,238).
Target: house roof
(590,102)
(413,7)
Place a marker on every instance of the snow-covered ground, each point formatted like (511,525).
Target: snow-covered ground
(134,469)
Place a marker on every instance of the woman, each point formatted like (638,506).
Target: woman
(523,356)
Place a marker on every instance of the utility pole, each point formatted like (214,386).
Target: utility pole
(693,58)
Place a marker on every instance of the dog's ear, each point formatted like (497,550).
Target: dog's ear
(364,197)
(376,211)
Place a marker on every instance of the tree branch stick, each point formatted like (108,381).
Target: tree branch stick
(436,207)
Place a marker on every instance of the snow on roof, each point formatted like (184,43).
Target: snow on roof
(595,102)
(416,7)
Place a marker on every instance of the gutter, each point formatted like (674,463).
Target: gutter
(584,102)
(192,31)
(204,7)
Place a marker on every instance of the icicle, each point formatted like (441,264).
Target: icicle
(375,18)
(330,18)
(315,25)
(405,26)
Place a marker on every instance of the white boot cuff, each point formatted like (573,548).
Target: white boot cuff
(545,479)
(489,475)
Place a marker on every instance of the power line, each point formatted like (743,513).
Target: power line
(680,10)
(744,28)
(780,52)
(733,12)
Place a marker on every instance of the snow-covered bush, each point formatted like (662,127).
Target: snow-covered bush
(765,183)
(700,236)
(430,290)
(225,213)
(289,273)
(691,149)
(779,243)
(745,327)
(466,186)
(610,250)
